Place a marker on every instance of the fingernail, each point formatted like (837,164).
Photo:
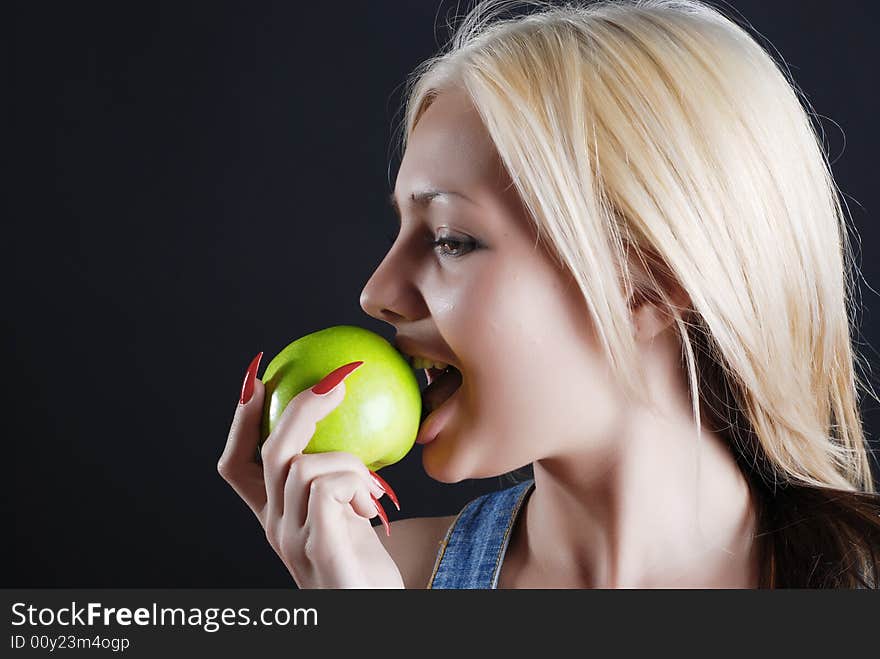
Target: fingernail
(386,487)
(382,515)
(377,489)
(247,387)
(334,377)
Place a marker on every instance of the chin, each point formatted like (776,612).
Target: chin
(438,466)
(446,462)
(442,462)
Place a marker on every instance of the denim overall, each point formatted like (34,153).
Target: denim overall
(471,554)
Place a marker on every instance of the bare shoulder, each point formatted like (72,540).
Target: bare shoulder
(413,546)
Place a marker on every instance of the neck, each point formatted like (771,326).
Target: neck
(653,512)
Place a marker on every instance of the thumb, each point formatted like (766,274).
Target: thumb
(238,465)
(313,404)
(244,431)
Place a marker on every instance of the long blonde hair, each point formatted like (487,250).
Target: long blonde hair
(660,133)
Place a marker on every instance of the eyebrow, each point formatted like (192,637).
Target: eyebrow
(423,199)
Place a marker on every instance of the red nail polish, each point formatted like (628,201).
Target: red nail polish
(385,486)
(334,377)
(382,515)
(247,387)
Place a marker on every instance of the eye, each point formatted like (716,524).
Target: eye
(457,246)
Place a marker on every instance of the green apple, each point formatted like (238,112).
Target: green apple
(379,418)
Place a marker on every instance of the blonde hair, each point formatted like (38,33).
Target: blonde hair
(660,133)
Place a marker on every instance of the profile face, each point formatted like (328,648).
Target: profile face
(534,384)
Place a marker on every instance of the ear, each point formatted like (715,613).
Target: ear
(649,315)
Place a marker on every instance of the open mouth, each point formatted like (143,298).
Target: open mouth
(441,385)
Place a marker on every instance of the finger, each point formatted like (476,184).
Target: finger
(304,469)
(382,515)
(332,498)
(238,465)
(295,428)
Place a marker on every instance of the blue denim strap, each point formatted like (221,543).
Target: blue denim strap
(471,554)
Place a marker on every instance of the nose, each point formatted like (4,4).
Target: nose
(388,295)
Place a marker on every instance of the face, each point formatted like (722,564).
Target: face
(490,301)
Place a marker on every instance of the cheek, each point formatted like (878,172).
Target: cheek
(533,367)
(535,383)
(524,320)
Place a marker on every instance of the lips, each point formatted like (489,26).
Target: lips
(407,347)
(436,420)
(441,385)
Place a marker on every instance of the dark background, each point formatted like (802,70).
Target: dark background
(195,182)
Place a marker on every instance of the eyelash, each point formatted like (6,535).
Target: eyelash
(452,241)
(444,240)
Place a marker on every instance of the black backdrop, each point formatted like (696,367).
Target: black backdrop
(195,182)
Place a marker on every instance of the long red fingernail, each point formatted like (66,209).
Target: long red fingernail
(382,515)
(334,377)
(385,486)
(247,387)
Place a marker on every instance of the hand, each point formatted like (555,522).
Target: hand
(315,508)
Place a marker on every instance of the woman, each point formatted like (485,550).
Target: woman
(619,228)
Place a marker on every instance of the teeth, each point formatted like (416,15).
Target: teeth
(422,362)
